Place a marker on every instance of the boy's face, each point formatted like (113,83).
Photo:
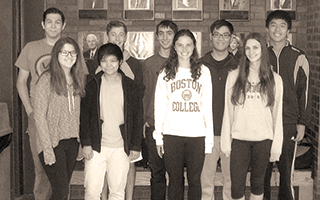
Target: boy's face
(117,36)
(110,64)
(278,30)
(53,25)
(165,37)
(220,39)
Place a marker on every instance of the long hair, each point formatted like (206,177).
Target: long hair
(171,65)
(58,80)
(266,77)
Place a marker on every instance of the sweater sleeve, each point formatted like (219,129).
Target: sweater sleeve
(206,101)
(277,120)
(228,115)
(86,111)
(303,90)
(136,135)
(147,94)
(161,101)
(41,104)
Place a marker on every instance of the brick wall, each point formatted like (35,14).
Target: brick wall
(309,40)
(163,11)
(305,35)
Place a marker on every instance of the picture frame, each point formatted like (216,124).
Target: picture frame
(138,9)
(286,5)
(281,4)
(140,44)
(82,39)
(92,9)
(234,10)
(187,10)
(139,4)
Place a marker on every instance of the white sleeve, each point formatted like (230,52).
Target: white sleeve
(206,102)
(227,119)
(277,120)
(161,101)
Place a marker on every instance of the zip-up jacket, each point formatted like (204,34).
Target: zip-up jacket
(90,122)
(293,67)
(219,71)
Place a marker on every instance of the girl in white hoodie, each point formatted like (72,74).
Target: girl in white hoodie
(183,116)
(252,123)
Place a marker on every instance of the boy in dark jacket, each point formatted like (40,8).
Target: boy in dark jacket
(111,122)
(293,66)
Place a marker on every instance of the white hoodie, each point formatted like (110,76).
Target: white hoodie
(183,107)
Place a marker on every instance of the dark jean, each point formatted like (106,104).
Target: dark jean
(158,171)
(286,191)
(244,154)
(178,153)
(60,172)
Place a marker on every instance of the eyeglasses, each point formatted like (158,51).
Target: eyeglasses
(65,53)
(225,36)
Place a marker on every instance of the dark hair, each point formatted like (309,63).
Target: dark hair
(110,49)
(58,80)
(279,14)
(267,82)
(53,10)
(171,65)
(112,24)
(167,24)
(219,23)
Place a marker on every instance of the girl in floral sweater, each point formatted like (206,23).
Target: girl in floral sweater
(57,113)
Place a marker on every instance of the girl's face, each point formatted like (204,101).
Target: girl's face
(253,50)
(110,64)
(233,44)
(184,47)
(67,56)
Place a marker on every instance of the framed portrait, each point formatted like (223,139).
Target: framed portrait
(234,10)
(140,44)
(100,36)
(281,5)
(138,9)
(187,10)
(139,4)
(287,5)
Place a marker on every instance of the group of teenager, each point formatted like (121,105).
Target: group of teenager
(247,112)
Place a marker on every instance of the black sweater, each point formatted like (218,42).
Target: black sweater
(219,71)
(90,122)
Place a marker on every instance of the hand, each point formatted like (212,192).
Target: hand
(87,152)
(300,132)
(227,154)
(134,155)
(160,150)
(144,129)
(29,111)
(49,157)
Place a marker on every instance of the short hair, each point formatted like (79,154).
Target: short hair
(110,49)
(219,23)
(279,14)
(92,35)
(53,10)
(112,24)
(167,24)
